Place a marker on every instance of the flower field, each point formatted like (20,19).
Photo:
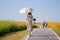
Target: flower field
(11,26)
(55,26)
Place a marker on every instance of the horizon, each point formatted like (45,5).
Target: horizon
(25,21)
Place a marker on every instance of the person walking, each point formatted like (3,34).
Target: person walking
(46,24)
(29,22)
(43,24)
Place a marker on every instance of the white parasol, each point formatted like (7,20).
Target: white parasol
(25,10)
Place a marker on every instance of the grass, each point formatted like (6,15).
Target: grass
(57,30)
(14,36)
(11,26)
(11,30)
(55,26)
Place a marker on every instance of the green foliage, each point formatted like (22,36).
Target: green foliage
(57,29)
(11,26)
(34,26)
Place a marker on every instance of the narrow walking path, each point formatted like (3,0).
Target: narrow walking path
(42,34)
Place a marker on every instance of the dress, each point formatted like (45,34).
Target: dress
(29,22)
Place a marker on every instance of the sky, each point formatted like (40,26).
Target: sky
(43,10)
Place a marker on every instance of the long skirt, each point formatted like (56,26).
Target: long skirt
(29,25)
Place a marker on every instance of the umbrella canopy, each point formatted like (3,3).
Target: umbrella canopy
(25,10)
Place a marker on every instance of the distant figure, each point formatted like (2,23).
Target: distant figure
(43,24)
(34,19)
(46,24)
